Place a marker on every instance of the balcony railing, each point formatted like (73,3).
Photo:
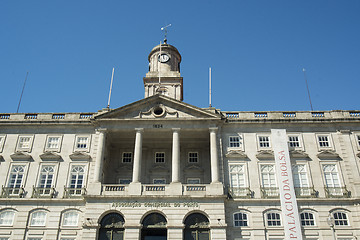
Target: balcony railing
(305,192)
(15,192)
(337,192)
(154,188)
(195,188)
(240,192)
(74,192)
(113,188)
(270,192)
(41,192)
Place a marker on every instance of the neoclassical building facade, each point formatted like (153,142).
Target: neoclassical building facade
(161,169)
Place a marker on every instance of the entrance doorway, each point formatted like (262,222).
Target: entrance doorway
(196,227)
(112,227)
(154,227)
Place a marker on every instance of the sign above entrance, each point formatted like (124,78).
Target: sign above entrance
(135,204)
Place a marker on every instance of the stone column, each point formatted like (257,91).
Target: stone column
(100,156)
(137,155)
(214,156)
(175,174)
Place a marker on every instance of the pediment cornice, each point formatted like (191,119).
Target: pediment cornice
(50,156)
(21,156)
(80,156)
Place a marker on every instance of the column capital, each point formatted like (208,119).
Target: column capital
(176,129)
(213,129)
(139,129)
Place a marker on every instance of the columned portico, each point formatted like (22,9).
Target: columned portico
(175,174)
(214,156)
(137,155)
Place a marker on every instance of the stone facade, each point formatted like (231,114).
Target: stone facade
(160,168)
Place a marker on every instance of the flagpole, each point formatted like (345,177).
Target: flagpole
(112,78)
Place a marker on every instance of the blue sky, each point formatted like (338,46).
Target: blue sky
(256,49)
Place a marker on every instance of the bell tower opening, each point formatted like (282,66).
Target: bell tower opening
(164,72)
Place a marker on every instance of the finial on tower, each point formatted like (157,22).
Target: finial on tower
(165,32)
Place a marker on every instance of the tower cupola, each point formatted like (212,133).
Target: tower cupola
(164,72)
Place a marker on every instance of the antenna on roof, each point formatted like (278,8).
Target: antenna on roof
(112,78)
(209,87)
(307,86)
(17,111)
(165,28)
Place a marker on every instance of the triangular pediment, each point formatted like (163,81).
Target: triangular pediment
(21,156)
(265,154)
(328,154)
(158,107)
(50,156)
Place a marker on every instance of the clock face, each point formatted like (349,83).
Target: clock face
(164,58)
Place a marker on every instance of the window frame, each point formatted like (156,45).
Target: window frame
(124,179)
(43,222)
(340,212)
(24,149)
(126,157)
(300,141)
(64,214)
(337,171)
(12,220)
(2,141)
(48,149)
(240,142)
(85,165)
(156,158)
(241,220)
(192,179)
(77,149)
(23,179)
(278,212)
(274,173)
(258,136)
(159,179)
(357,140)
(40,174)
(190,157)
(329,140)
(245,176)
(304,220)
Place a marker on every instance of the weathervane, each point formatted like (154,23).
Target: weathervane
(165,29)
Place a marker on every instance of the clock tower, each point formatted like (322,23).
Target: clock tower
(164,72)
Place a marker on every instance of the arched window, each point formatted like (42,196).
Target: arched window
(112,227)
(240,219)
(154,227)
(307,219)
(71,219)
(7,217)
(340,218)
(273,219)
(38,218)
(196,227)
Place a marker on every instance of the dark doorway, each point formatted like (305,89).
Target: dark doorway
(112,227)
(196,227)
(154,227)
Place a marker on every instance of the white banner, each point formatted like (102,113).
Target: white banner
(289,208)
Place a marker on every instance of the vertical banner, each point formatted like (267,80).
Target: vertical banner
(289,208)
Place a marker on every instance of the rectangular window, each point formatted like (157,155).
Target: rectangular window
(301,182)
(193,157)
(16,179)
(237,179)
(160,157)
(264,141)
(127,157)
(332,180)
(294,142)
(77,180)
(307,219)
(46,179)
(273,219)
(159,181)
(235,141)
(24,143)
(240,220)
(124,181)
(268,179)
(193,181)
(324,141)
(357,138)
(82,143)
(53,143)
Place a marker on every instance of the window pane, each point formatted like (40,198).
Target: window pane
(71,219)
(38,218)
(7,218)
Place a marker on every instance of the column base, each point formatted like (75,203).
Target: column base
(215,188)
(94,188)
(135,188)
(174,188)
